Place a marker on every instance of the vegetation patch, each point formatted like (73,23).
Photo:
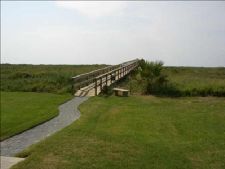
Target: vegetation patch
(41,78)
(137,132)
(150,78)
(197,81)
(23,110)
(154,79)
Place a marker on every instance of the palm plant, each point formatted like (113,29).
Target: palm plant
(151,73)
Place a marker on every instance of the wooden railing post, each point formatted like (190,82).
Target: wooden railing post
(96,87)
(120,72)
(97,77)
(100,84)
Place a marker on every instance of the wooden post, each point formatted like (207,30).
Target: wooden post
(96,87)
(120,72)
(100,84)
(106,79)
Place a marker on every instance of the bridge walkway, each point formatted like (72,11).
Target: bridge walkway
(92,83)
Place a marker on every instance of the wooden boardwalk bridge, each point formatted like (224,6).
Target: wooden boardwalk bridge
(92,83)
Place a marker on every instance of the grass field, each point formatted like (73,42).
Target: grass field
(23,110)
(41,78)
(185,81)
(190,79)
(137,132)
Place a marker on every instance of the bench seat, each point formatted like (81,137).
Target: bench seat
(121,92)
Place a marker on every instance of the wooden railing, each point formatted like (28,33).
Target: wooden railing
(103,77)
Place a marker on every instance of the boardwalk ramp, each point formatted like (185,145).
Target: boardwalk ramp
(92,83)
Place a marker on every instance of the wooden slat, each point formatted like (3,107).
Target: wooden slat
(98,77)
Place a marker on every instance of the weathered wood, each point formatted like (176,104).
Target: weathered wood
(120,92)
(107,76)
(101,84)
(96,87)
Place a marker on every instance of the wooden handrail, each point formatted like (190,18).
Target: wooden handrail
(91,79)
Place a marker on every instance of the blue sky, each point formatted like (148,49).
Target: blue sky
(178,33)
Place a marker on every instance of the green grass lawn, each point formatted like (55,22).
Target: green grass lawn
(137,132)
(23,110)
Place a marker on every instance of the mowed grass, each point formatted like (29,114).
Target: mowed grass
(23,110)
(137,132)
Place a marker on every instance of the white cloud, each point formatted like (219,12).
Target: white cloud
(94,8)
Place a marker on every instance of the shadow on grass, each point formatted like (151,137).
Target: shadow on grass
(171,91)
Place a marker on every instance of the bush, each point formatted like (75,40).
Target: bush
(151,73)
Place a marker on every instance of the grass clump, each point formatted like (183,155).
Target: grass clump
(23,110)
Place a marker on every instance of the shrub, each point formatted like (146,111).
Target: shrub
(151,73)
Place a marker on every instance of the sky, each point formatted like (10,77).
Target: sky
(110,32)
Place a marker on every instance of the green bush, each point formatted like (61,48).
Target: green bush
(151,73)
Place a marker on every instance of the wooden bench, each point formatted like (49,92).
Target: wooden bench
(120,92)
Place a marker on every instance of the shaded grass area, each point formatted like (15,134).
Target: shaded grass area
(137,132)
(23,110)
(183,81)
(41,78)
